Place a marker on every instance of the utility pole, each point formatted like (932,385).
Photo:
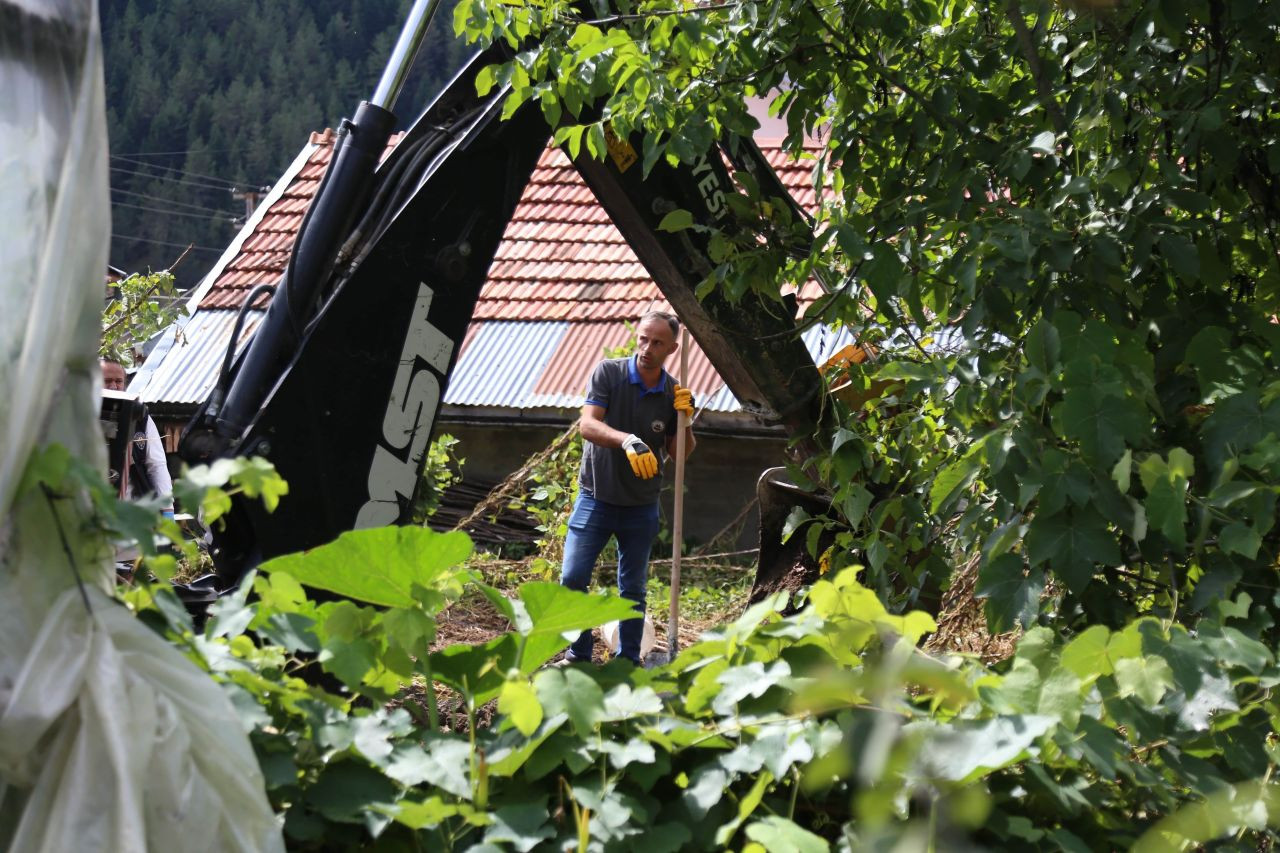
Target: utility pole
(250,197)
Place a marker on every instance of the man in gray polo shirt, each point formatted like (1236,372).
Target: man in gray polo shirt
(629,422)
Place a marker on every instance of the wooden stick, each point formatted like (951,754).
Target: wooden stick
(677,523)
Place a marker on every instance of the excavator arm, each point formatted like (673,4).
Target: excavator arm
(342,383)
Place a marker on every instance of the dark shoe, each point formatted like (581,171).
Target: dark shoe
(570,660)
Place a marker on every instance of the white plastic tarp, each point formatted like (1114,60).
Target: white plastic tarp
(109,738)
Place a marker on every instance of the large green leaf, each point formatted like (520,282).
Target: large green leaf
(511,750)
(777,748)
(752,680)
(520,704)
(571,691)
(779,835)
(676,220)
(1189,659)
(350,660)
(1042,346)
(1012,592)
(1182,256)
(1146,676)
(430,812)
(478,671)
(380,566)
(1096,743)
(347,789)
(442,761)
(549,616)
(1238,538)
(1209,353)
(951,481)
(1103,425)
(963,749)
(523,825)
(746,806)
(1072,543)
(1236,424)
(1214,696)
(1234,648)
(624,703)
(704,790)
(622,754)
(556,609)
(1054,479)
(1166,485)
(1086,654)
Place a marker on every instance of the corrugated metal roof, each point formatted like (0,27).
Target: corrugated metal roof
(539,365)
(564,379)
(502,363)
(187,372)
(822,342)
(721,401)
(950,340)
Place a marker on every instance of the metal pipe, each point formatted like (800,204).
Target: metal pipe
(328,221)
(406,50)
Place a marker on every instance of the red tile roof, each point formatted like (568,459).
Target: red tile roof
(560,258)
(264,252)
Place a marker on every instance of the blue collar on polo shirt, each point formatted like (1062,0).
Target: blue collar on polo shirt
(633,372)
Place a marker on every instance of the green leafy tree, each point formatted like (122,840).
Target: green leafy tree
(139,307)
(1081,202)
(1059,223)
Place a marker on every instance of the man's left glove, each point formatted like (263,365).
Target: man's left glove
(683,401)
(643,463)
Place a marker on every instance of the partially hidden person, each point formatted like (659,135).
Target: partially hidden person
(148,470)
(628,422)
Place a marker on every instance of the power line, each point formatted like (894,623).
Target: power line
(170,153)
(195,207)
(149,176)
(230,218)
(224,181)
(165,243)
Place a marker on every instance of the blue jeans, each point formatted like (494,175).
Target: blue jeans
(591,524)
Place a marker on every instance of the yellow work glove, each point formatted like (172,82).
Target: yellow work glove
(642,460)
(683,401)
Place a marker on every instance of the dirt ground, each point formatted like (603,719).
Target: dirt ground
(961,622)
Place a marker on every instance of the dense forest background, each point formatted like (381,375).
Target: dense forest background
(208,100)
